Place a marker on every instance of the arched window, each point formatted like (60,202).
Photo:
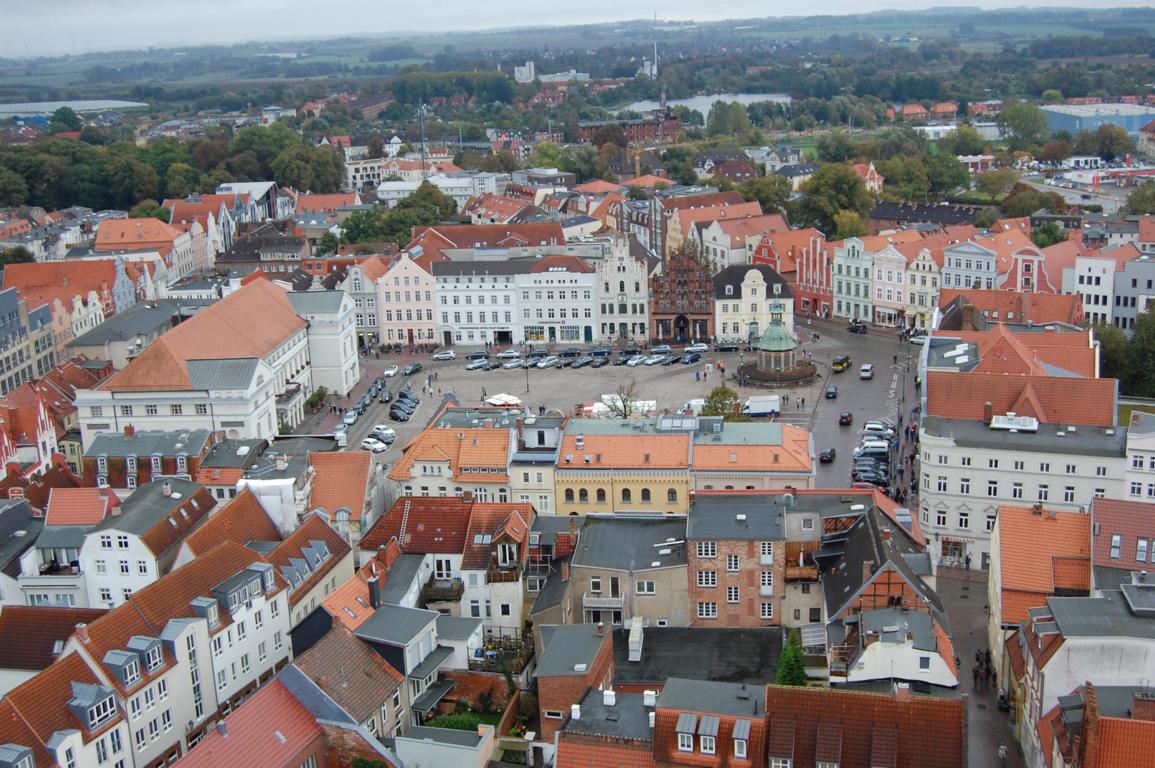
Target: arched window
(569,495)
(601,495)
(621,286)
(583,496)
(672,496)
(645,495)
(625,495)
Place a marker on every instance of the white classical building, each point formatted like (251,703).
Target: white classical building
(748,299)
(557,298)
(969,265)
(239,366)
(853,265)
(624,292)
(889,286)
(333,354)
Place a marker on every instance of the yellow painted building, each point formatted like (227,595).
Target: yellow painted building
(623,473)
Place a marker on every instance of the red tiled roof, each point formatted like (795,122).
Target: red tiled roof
(597,187)
(164,534)
(668,451)
(271,729)
(14,729)
(1011,306)
(241,520)
(1147,223)
(44,282)
(433,525)
(1060,400)
(924,731)
(1039,554)
(435,239)
(495,208)
(568,263)
(351,673)
(312,529)
(325,203)
(687,217)
(79,506)
(43,701)
(341,481)
(28,634)
(481,448)
(1130,520)
(501,522)
(649,181)
(135,234)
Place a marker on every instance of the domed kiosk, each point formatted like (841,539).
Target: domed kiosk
(777,364)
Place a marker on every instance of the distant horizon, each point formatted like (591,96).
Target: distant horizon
(121,25)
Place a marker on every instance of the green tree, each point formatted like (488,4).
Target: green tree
(367,226)
(1085,143)
(149,209)
(986,218)
(13,188)
(1114,355)
(131,181)
(376,148)
(428,197)
(906,177)
(63,120)
(327,245)
(832,189)
(1025,200)
(17,255)
(1052,96)
(727,119)
(546,154)
(791,663)
(964,141)
(181,180)
(1024,123)
(1142,356)
(1048,234)
(1114,142)
(835,147)
(996,184)
(1055,151)
(725,402)
(1142,201)
(611,134)
(848,224)
(945,173)
(771,192)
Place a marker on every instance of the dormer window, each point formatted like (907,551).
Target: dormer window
(131,672)
(213,615)
(130,464)
(267,581)
(156,464)
(182,463)
(152,658)
(101,712)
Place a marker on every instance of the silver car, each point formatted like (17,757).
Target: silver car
(512,364)
(547,362)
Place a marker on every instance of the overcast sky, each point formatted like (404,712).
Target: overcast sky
(51,27)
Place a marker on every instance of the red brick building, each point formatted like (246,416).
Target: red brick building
(573,659)
(682,300)
(663,128)
(803,258)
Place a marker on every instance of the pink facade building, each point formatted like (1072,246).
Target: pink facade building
(405,303)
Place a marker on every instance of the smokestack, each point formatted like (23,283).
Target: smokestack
(1143,706)
(902,691)
(82,633)
(988,412)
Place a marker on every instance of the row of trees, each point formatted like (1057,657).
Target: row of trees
(59,172)
(426,206)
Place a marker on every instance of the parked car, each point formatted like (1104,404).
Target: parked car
(508,354)
(671,359)
(564,362)
(350,417)
(569,352)
(856,327)
(547,362)
(384,396)
(445,354)
(697,347)
(390,371)
(826,455)
(831,392)
(636,360)
(845,418)
(726,346)
(631,351)
(537,353)
(398,414)
(405,396)
(340,430)
(474,365)
(582,362)
(691,358)
(411,369)
(404,405)
(840,363)
(918,340)
(661,349)
(654,359)
(374,445)
(384,433)
(479,355)
(600,352)
(601,362)
(622,360)
(513,364)
(866,371)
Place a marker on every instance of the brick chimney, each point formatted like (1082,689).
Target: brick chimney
(988,412)
(968,319)
(1143,706)
(867,569)
(564,572)
(902,691)
(886,534)
(82,634)
(166,489)
(129,430)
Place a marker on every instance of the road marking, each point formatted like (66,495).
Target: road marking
(893,386)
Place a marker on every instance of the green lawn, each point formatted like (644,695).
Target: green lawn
(1126,410)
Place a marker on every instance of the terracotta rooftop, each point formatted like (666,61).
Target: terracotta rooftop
(42,702)
(597,187)
(1050,399)
(499,522)
(432,525)
(669,451)
(351,673)
(341,481)
(79,506)
(558,263)
(687,217)
(650,181)
(240,521)
(741,230)
(29,634)
(793,455)
(433,240)
(480,448)
(1013,307)
(325,203)
(1130,521)
(135,234)
(249,323)
(44,282)
(272,728)
(1041,553)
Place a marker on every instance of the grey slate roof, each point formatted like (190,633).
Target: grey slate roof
(235,373)
(1106,616)
(312,698)
(718,698)
(316,302)
(715,518)
(138,320)
(631,543)
(565,645)
(233,454)
(892,625)
(18,532)
(443,736)
(401,574)
(147,506)
(729,655)
(1087,441)
(628,718)
(553,590)
(735,274)
(149,442)
(456,627)
(62,536)
(395,625)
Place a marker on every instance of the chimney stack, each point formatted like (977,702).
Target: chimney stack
(988,412)
(902,691)
(1143,706)
(601,629)
(82,633)
(575,711)
(374,594)
(564,572)
(968,321)
(282,462)
(886,534)
(166,489)
(1037,509)
(129,430)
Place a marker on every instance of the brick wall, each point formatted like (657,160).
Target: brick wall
(588,750)
(560,692)
(748,610)
(342,747)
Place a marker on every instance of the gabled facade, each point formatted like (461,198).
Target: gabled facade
(853,267)
(623,281)
(406,303)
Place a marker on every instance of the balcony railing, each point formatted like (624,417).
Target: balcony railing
(503,574)
(442,590)
(590,600)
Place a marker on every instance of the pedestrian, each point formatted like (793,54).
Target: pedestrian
(785,399)
(968,562)
(988,657)
(978,656)
(896,358)
(697,375)
(705,374)
(1003,754)
(804,403)
(975,675)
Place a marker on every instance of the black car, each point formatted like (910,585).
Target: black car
(831,392)
(671,359)
(385,396)
(537,353)
(621,360)
(601,362)
(406,396)
(846,418)
(396,414)
(629,352)
(492,365)
(600,352)
(826,455)
(411,369)
(857,328)
(404,405)
(569,352)
(372,391)
(477,356)
(726,347)
(582,362)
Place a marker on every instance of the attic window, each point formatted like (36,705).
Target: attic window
(101,713)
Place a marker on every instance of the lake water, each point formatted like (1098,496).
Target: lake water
(703,103)
(48,107)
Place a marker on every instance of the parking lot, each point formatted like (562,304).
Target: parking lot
(669,386)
